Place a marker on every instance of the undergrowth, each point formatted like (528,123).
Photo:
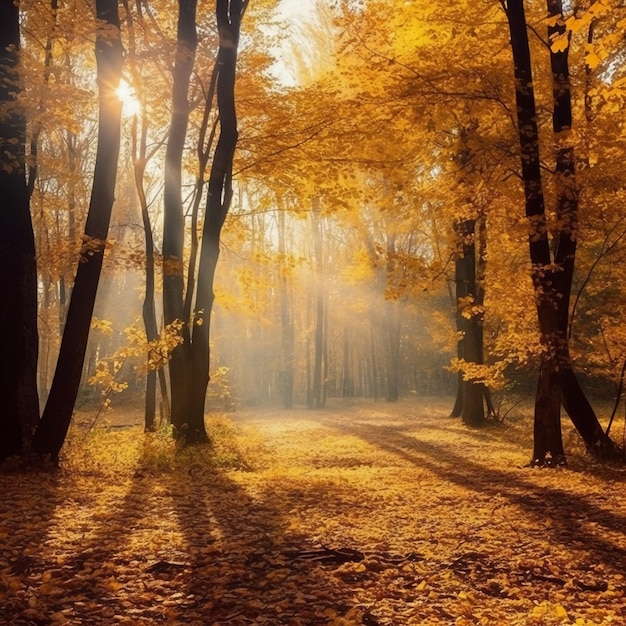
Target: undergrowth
(104,451)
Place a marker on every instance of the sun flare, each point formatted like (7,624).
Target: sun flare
(126,94)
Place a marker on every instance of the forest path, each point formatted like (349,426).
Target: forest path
(363,513)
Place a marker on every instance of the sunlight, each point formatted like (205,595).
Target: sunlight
(128,97)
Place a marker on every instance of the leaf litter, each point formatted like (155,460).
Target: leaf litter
(372,514)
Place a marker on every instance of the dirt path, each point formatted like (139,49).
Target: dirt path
(363,514)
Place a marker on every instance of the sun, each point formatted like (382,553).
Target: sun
(126,94)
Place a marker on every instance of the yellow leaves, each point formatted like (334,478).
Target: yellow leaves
(145,355)
(490,375)
(91,246)
(468,309)
(580,21)
(104,326)
(449,524)
(547,610)
(560,43)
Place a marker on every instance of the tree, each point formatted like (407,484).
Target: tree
(141,156)
(286,317)
(552,277)
(469,300)
(220,193)
(57,414)
(19,408)
(173,217)
(316,396)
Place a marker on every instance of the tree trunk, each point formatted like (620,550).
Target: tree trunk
(469,402)
(220,192)
(391,328)
(148,308)
(552,287)
(140,159)
(286,320)
(318,342)
(19,405)
(57,415)
(173,218)
(547,420)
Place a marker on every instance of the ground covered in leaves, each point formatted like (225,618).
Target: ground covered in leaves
(362,514)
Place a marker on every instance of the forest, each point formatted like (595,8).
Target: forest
(300,299)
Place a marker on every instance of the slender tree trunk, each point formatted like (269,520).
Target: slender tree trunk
(318,343)
(57,415)
(36,132)
(286,320)
(347,387)
(19,405)
(140,158)
(461,291)
(71,141)
(391,329)
(548,441)
(148,308)
(173,218)
(220,192)
(572,396)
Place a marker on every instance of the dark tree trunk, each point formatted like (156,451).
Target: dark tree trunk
(572,396)
(19,405)
(173,218)
(391,326)
(71,141)
(557,383)
(548,442)
(57,415)
(220,192)
(469,403)
(464,252)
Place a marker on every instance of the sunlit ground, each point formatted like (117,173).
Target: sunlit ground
(450,525)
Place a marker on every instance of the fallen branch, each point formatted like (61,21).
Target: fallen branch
(327,555)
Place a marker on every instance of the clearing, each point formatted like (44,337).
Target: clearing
(364,513)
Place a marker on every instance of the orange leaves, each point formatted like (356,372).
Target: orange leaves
(444,525)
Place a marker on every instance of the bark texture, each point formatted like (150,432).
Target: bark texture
(19,406)
(173,218)
(552,274)
(220,192)
(57,415)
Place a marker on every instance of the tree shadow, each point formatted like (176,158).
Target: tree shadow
(30,499)
(182,544)
(567,513)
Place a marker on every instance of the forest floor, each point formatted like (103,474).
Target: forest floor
(365,513)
